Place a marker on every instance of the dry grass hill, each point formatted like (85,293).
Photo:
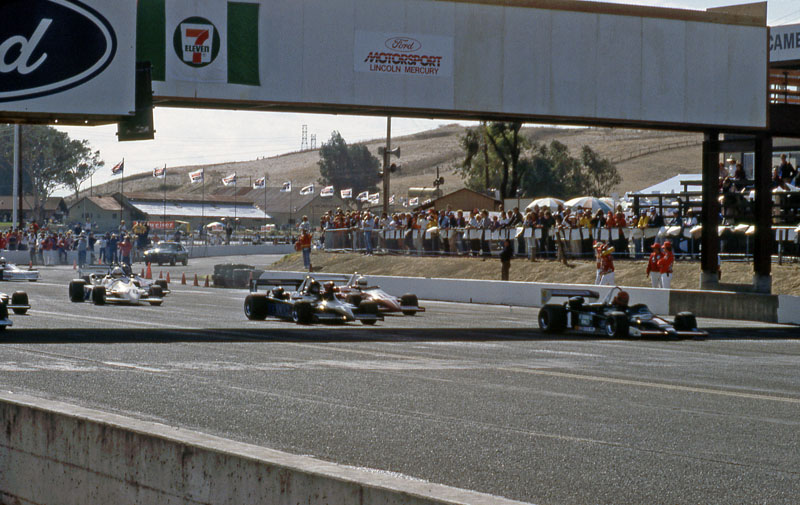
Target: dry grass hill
(643,158)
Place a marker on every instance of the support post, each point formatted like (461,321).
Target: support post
(764,237)
(709,214)
(386,157)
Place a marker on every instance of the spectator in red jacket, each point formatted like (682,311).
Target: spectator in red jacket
(665,264)
(652,266)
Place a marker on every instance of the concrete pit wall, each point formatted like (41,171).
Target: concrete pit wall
(56,454)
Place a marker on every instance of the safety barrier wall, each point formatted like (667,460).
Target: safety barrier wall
(57,454)
(718,304)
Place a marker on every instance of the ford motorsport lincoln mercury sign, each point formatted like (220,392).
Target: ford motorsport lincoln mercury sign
(563,61)
(66,57)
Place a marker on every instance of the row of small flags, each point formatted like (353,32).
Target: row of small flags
(260,183)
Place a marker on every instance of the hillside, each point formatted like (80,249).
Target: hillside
(643,158)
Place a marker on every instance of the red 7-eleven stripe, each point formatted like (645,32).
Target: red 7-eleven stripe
(200,36)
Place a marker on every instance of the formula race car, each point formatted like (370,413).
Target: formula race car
(357,289)
(309,303)
(613,317)
(86,273)
(10,272)
(18,302)
(115,287)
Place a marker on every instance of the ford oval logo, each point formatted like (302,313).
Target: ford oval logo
(49,46)
(403,44)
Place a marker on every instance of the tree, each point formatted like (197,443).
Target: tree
(492,157)
(50,159)
(344,166)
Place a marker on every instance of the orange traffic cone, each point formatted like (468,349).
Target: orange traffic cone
(195,280)
(160,274)
(149,274)
(167,277)
(206,284)
(142,276)
(183,279)
(30,265)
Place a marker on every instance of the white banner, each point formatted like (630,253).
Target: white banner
(784,43)
(403,54)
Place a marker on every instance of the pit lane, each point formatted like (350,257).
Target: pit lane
(467,395)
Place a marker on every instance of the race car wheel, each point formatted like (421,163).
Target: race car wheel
(163,284)
(99,295)
(409,300)
(553,318)
(3,311)
(76,290)
(302,313)
(367,307)
(685,321)
(255,307)
(353,299)
(19,298)
(616,325)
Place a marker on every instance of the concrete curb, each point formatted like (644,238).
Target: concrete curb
(54,453)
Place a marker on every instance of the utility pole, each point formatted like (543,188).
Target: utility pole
(388,168)
(16,198)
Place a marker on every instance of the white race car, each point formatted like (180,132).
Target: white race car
(358,288)
(11,272)
(18,302)
(115,287)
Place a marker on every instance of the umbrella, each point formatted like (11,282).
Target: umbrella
(546,203)
(215,226)
(588,202)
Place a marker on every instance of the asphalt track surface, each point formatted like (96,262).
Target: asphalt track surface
(472,396)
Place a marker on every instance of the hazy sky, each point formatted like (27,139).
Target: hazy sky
(190,137)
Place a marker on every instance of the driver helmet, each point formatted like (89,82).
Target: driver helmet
(328,288)
(361,281)
(2,261)
(278,292)
(622,298)
(313,287)
(117,272)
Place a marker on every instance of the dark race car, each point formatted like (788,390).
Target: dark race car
(613,317)
(167,252)
(311,302)
(17,302)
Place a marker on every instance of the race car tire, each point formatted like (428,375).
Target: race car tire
(617,325)
(99,295)
(76,290)
(354,299)
(163,284)
(553,318)
(255,307)
(156,292)
(367,307)
(19,298)
(369,322)
(3,310)
(409,300)
(685,321)
(302,313)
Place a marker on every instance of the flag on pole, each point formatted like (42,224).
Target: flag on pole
(160,172)
(414,202)
(196,176)
(201,41)
(260,183)
(307,190)
(230,180)
(391,200)
(346,193)
(374,198)
(287,187)
(118,168)
(326,191)
(363,196)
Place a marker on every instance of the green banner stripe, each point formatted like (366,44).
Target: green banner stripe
(243,43)
(151,23)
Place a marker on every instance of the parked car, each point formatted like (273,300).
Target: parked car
(167,252)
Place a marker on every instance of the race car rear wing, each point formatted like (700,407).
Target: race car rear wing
(548,293)
(292,280)
(94,269)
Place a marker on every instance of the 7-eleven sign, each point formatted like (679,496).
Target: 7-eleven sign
(199,43)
